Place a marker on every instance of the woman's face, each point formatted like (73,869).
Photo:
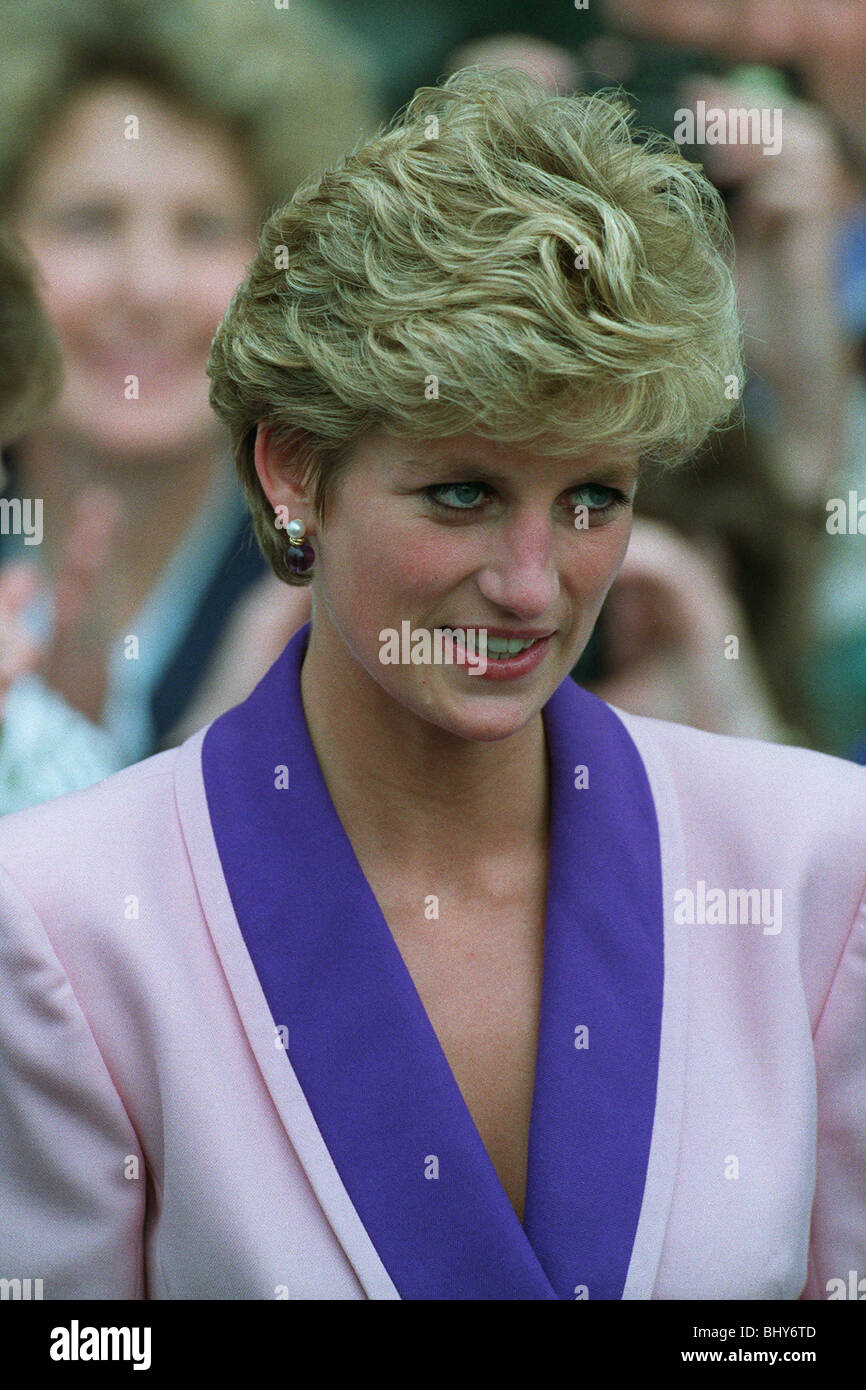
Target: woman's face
(141,220)
(465,533)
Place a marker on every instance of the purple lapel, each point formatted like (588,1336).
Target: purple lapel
(362,1046)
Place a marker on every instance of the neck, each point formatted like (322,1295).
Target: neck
(406,788)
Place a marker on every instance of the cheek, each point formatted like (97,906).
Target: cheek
(377,573)
(597,560)
(72,282)
(400,560)
(210,280)
(434,560)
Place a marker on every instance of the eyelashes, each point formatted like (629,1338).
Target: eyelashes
(616,498)
(434,491)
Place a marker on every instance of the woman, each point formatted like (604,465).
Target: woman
(442,979)
(135,164)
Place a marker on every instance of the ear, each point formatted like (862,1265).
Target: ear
(279,472)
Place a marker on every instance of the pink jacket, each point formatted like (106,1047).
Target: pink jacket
(156,1140)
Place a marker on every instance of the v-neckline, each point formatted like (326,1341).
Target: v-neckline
(452,1039)
(364,1049)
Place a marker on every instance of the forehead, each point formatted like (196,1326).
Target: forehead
(118,134)
(474,454)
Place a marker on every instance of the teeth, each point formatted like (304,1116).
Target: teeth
(478,643)
(507,646)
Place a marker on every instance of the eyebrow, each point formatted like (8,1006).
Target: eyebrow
(470,469)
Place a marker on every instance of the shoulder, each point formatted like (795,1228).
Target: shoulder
(793,799)
(69,845)
(740,814)
(746,771)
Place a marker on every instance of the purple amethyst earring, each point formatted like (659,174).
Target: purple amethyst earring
(299,554)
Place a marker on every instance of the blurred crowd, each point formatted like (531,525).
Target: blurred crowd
(141,144)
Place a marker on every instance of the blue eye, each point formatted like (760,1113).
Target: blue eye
(600,498)
(464,492)
(470,497)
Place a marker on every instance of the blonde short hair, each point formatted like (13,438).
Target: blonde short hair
(498,261)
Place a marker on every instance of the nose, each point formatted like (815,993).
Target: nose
(521,578)
(149,269)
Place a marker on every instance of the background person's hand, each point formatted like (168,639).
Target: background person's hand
(667,622)
(19,650)
(74,662)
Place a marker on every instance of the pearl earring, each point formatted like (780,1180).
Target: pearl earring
(298,554)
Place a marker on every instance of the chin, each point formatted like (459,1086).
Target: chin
(163,430)
(493,725)
(481,718)
(490,730)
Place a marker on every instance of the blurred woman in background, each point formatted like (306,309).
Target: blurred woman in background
(140,146)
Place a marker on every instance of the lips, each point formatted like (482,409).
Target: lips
(523,634)
(499,642)
(501,647)
(528,634)
(504,664)
(513,665)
